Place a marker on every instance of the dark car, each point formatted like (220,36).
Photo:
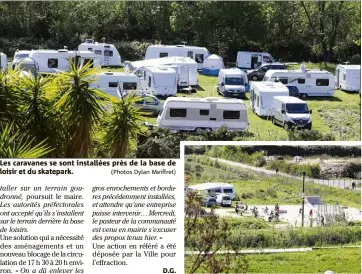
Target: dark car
(293,91)
(208,201)
(258,73)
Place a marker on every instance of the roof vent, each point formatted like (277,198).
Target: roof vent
(89,41)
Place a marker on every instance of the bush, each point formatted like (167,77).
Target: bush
(309,135)
(272,192)
(247,195)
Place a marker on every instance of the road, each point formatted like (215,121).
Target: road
(332,183)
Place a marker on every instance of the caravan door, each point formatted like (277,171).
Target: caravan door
(184,76)
(254,60)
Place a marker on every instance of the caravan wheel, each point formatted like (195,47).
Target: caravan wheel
(198,131)
(255,78)
(304,95)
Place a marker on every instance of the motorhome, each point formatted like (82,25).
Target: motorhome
(3,62)
(185,67)
(247,60)
(290,112)
(20,54)
(53,61)
(158,81)
(222,188)
(348,77)
(309,83)
(198,114)
(196,53)
(261,96)
(107,53)
(114,83)
(232,83)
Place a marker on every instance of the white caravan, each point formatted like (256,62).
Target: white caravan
(289,111)
(261,96)
(107,53)
(247,60)
(309,83)
(196,53)
(185,67)
(3,61)
(108,82)
(232,83)
(348,77)
(53,61)
(20,54)
(159,81)
(197,114)
(27,66)
(222,188)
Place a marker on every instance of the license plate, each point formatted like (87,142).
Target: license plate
(236,94)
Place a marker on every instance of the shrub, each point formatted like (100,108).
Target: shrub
(309,135)
(272,192)
(247,195)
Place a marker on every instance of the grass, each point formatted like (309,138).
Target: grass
(259,188)
(345,260)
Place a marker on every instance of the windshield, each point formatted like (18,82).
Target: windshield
(21,55)
(297,108)
(233,81)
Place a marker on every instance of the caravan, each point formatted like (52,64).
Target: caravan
(197,114)
(53,61)
(232,83)
(159,81)
(186,69)
(309,83)
(247,60)
(107,54)
(160,51)
(348,77)
(20,54)
(3,62)
(262,94)
(115,83)
(217,188)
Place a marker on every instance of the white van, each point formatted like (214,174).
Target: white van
(291,112)
(247,60)
(261,96)
(197,114)
(348,77)
(185,67)
(159,81)
(160,51)
(20,54)
(109,82)
(232,83)
(107,54)
(53,61)
(3,62)
(223,200)
(309,83)
(222,188)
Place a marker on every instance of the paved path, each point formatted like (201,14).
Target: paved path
(332,183)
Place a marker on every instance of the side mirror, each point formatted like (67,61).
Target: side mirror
(310,111)
(283,111)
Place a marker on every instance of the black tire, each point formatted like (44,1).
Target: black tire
(270,219)
(198,130)
(255,78)
(304,95)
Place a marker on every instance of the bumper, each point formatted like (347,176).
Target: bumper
(300,126)
(240,94)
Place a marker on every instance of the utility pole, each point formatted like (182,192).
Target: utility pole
(303,196)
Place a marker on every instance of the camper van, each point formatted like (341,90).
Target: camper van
(109,82)
(107,53)
(232,83)
(222,188)
(247,60)
(309,83)
(261,96)
(160,51)
(3,62)
(348,77)
(20,54)
(159,81)
(53,61)
(186,69)
(198,114)
(289,112)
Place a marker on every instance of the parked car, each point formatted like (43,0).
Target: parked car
(293,91)
(209,201)
(149,104)
(223,200)
(259,73)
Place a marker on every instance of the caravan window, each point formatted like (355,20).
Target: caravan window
(322,82)
(163,54)
(266,59)
(129,86)
(190,54)
(149,81)
(108,53)
(53,63)
(301,81)
(144,75)
(228,190)
(231,114)
(113,84)
(199,58)
(98,52)
(90,49)
(204,112)
(283,80)
(90,61)
(178,112)
(257,101)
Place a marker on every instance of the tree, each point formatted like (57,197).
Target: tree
(80,108)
